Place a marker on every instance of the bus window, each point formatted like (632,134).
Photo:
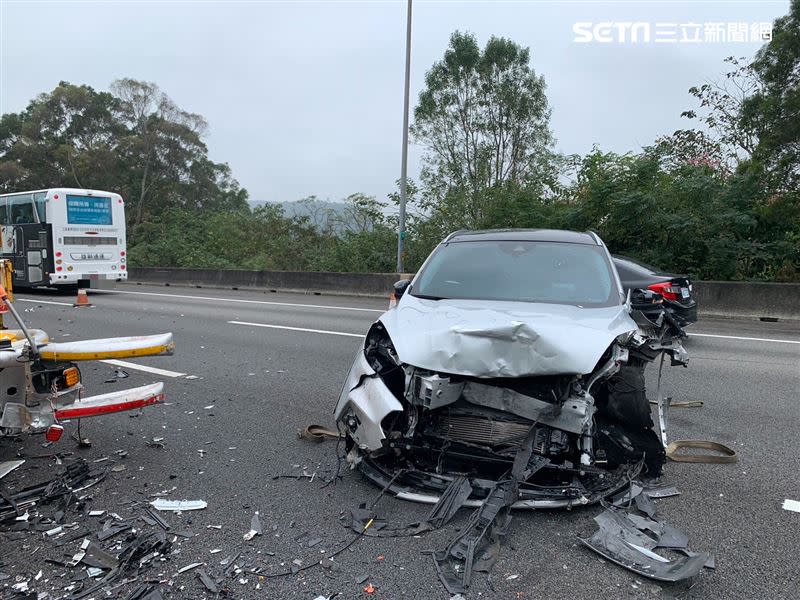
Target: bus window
(40,199)
(20,209)
(4,212)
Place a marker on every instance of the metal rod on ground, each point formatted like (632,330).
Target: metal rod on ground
(401,233)
(4,298)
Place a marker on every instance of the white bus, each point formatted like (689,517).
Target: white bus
(64,237)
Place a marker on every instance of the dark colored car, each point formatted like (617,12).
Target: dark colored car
(676,290)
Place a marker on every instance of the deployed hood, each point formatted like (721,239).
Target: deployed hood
(510,339)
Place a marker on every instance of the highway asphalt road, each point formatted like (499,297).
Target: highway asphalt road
(262,365)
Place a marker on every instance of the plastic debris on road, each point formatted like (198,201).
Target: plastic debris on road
(255,528)
(792,505)
(190,567)
(178,505)
(7,466)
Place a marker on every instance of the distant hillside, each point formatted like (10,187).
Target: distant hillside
(324,215)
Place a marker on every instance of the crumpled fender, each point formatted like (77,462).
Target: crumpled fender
(366,396)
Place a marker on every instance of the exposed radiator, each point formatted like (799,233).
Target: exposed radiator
(481,430)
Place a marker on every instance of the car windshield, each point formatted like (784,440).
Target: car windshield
(549,272)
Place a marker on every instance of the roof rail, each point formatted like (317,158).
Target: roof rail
(596,237)
(452,234)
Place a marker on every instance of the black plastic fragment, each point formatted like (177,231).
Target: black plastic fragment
(146,592)
(206,580)
(620,540)
(442,512)
(156,518)
(95,556)
(476,548)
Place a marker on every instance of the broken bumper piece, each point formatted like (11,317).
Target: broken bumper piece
(427,488)
(621,539)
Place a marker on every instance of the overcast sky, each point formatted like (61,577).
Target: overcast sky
(306,98)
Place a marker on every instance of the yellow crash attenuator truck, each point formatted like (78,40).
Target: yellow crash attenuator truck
(40,381)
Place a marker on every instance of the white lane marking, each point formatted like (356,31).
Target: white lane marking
(145,368)
(42,301)
(358,335)
(240,300)
(749,339)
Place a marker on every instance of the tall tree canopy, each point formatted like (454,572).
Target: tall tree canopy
(484,119)
(133,140)
(774,111)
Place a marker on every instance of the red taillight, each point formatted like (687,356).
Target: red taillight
(53,433)
(55,197)
(122,267)
(667,290)
(122,253)
(59,268)
(58,254)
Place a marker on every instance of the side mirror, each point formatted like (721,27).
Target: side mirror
(399,288)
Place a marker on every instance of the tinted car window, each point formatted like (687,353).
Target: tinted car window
(549,272)
(633,268)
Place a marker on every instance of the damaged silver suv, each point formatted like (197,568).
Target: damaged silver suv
(513,355)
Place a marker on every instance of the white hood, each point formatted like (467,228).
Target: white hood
(502,339)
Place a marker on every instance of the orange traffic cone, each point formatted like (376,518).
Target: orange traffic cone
(82,299)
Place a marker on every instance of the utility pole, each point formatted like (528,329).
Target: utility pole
(401,234)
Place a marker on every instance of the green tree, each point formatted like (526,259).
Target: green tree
(730,140)
(165,156)
(484,120)
(774,110)
(65,137)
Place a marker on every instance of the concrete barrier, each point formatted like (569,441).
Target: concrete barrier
(717,298)
(748,299)
(305,282)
